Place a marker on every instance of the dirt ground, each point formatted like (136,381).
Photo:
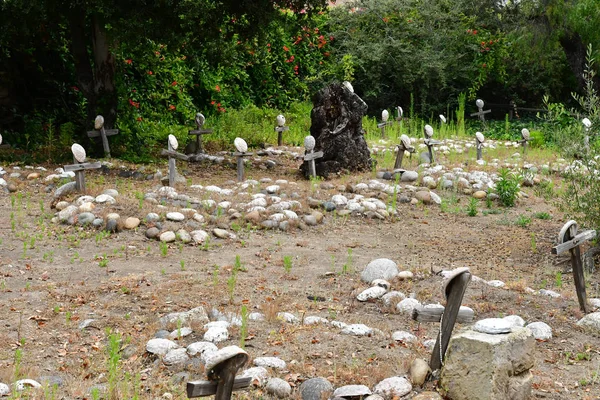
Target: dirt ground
(48,287)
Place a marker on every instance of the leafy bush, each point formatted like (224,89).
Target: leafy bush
(507,188)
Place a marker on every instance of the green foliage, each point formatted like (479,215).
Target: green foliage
(507,188)
(523,221)
(287,264)
(472,207)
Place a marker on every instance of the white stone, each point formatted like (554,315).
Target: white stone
(591,321)
(515,320)
(381,268)
(352,391)
(309,143)
(104,198)
(540,330)
(313,320)
(175,357)
(287,317)
(240,144)
(272,189)
(404,337)
(24,384)
(259,375)
(496,283)
(549,293)
(270,362)
(180,333)
(173,142)
(407,306)
(357,330)
(216,335)
(160,346)
(199,236)
(4,389)
(374,292)
(199,348)
(394,387)
(493,326)
(175,216)
(392,297)
(167,237)
(78,152)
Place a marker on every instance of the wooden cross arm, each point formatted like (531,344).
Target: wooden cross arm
(107,132)
(282,128)
(481,113)
(208,388)
(312,156)
(382,124)
(431,142)
(200,132)
(174,154)
(410,149)
(576,241)
(79,167)
(238,154)
(426,314)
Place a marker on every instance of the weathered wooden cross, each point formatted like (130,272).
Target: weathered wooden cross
(568,239)
(242,148)
(481,113)
(587,124)
(222,367)
(385,115)
(80,166)
(310,155)
(429,142)
(102,133)
(525,138)
(455,286)
(404,145)
(280,128)
(199,132)
(399,113)
(171,152)
(479,138)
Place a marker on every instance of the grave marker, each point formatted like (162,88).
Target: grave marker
(80,166)
(280,128)
(479,139)
(429,142)
(568,239)
(526,137)
(405,145)
(454,291)
(310,155)
(173,154)
(242,148)
(102,133)
(221,367)
(399,113)
(385,115)
(481,113)
(200,119)
(587,126)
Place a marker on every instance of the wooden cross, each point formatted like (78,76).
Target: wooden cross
(479,138)
(310,155)
(568,239)
(102,133)
(385,115)
(454,291)
(481,113)
(280,128)
(242,151)
(430,142)
(221,375)
(172,154)
(404,145)
(199,132)
(526,137)
(80,166)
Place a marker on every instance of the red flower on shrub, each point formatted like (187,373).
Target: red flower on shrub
(296,69)
(171,107)
(139,119)
(484,65)
(174,83)
(134,103)
(75,88)
(285,48)
(149,72)
(129,61)
(218,88)
(212,103)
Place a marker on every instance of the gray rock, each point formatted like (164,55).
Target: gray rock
(180,378)
(505,361)
(111,225)
(180,333)
(162,334)
(393,297)
(540,330)
(278,388)
(65,190)
(404,337)
(85,218)
(515,320)
(176,357)
(269,362)
(4,389)
(152,217)
(419,370)
(86,323)
(394,387)
(381,268)
(68,213)
(407,305)
(352,391)
(175,216)
(50,381)
(591,322)
(167,237)
(310,220)
(152,233)
(329,206)
(313,320)
(259,375)
(187,318)
(357,330)
(104,198)
(199,348)
(315,389)
(160,346)
(549,293)
(97,222)
(374,292)
(184,236)
(409,176)
(199,236)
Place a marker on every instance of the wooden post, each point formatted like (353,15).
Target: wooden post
(240,167)
(103,134)
(199,132)
(404,145)
(382,126)
(430,143)
(280,130)
(172,145)
(479,139)
(454,290)
(311,156)
(568,239)
(171,167)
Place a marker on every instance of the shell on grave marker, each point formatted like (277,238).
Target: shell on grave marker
(0,139)
(587,123)
(200,119)
(280,120)
(443,118)
(570,226)
(348,86)
(480,137)
(525,133)
(405,141)
(78,152)
(222,355)
(479,103)
(309,143)
(428,131)
(99,122)
(385,115)
(173,142)
(241,145)
(399,111)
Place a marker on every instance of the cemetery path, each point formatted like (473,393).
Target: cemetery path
(52,285)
